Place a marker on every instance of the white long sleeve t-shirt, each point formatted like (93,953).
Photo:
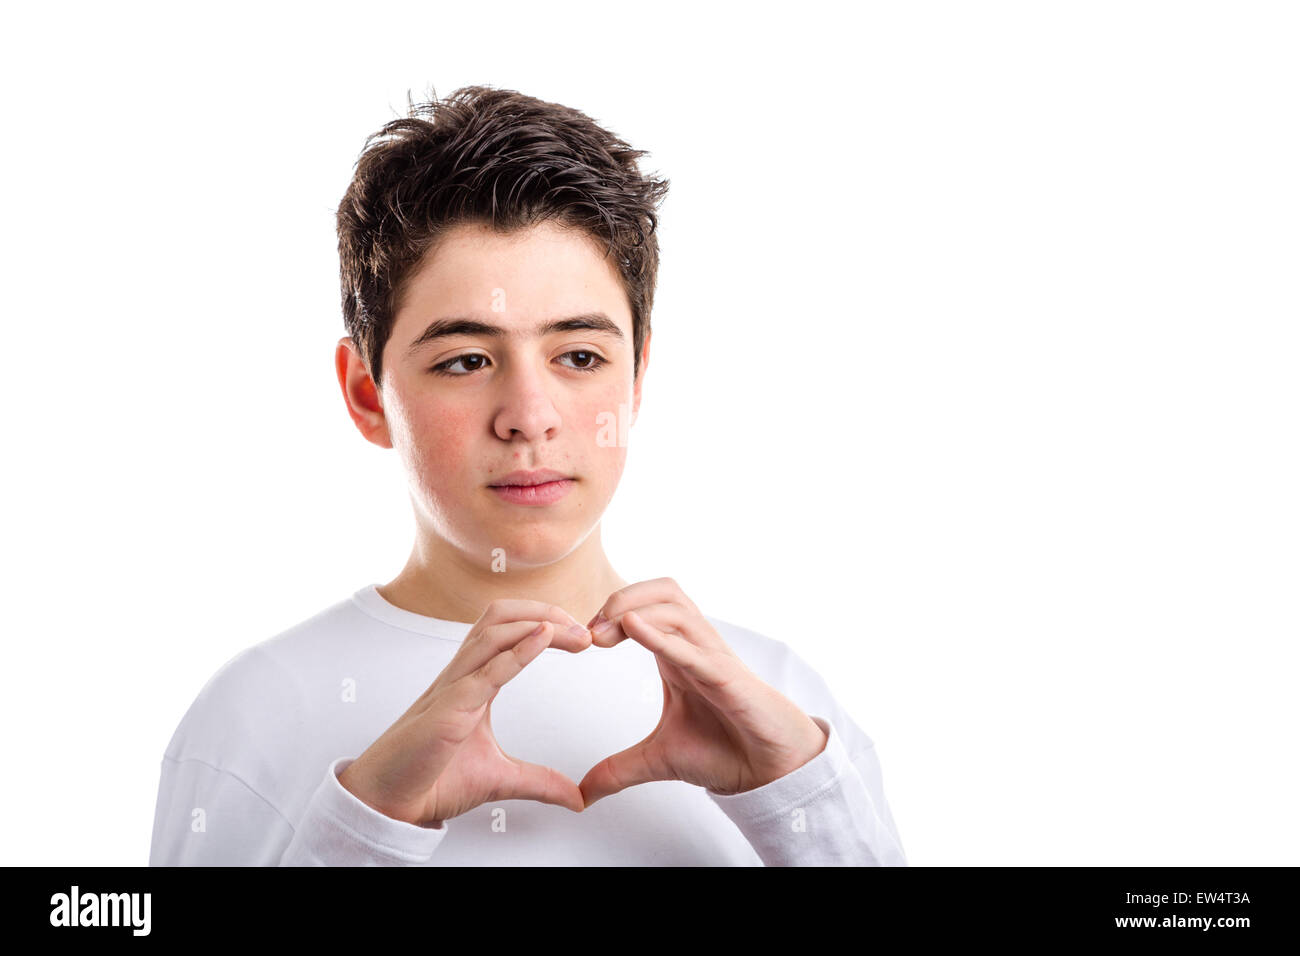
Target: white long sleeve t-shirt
(250,775)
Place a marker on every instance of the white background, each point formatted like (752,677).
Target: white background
(974,380)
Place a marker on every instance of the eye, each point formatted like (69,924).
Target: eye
(595,360)
(594,363)
(443,368)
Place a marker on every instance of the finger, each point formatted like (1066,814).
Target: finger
(671,647)
(470,693)
(711,672)
(510,610)
(627,768)
(658,591)
(610,633)
(667,617)
(545,784)
(486,645)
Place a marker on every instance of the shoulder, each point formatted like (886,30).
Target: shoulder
(250,689)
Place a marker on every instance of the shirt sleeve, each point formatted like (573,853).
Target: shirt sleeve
(338,829)
(210,817)
(829,812)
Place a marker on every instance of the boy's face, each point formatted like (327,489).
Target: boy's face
(519,401)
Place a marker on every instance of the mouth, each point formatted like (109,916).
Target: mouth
(525,479)
(533,487)
(545,493)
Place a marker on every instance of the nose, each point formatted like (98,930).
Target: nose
(526,407)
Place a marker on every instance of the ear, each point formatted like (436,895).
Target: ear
(364,404)
(640,376)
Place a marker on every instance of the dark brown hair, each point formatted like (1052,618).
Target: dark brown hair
(499,158)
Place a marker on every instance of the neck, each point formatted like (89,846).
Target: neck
(443,582)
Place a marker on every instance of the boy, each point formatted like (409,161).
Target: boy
(498,263)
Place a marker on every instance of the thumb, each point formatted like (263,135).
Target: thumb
(532,781)
(627,768)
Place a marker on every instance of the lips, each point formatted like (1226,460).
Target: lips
(546,493)
(524,479)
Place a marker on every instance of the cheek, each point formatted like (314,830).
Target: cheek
(441,448)
(603,422)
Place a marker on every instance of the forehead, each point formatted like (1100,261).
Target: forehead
(528,273)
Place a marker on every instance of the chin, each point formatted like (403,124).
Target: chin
(530,550)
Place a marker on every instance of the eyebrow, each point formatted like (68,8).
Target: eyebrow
(446,328)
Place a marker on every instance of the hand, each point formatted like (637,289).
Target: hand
(440,758)
(722,727)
